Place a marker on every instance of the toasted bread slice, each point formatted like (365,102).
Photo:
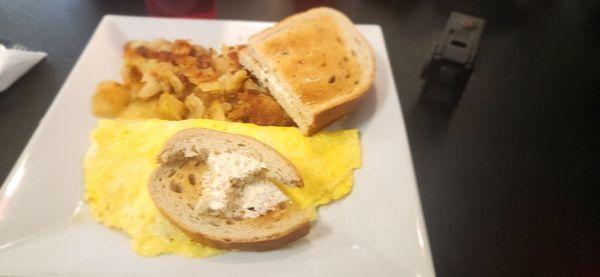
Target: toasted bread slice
(316,64)
(175,188)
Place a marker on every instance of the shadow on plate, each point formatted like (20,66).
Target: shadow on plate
(318,232)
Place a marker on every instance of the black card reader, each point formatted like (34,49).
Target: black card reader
(448,70)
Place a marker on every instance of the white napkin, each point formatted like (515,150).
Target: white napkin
(14,63)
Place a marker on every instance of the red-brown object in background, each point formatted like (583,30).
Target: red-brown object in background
(182,8)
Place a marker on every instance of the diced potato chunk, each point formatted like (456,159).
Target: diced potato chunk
(215,111)
(140,109)
(131,74)
(176,84)
(151,87)
(211,86)
(249,84)
(222,64)
(235,82)
(195,105)
(200,50)
(169,107)
(158,45)
(182,47)
(109,99)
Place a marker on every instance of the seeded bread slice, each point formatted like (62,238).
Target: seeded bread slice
(316,64)
(175,187)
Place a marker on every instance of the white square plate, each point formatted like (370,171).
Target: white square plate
(378,230)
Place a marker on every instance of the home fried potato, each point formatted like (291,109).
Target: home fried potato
(179,80)
(170,108)
(110,98)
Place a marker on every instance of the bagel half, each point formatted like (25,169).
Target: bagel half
(175,187)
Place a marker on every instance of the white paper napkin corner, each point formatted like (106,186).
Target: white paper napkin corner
(14,63)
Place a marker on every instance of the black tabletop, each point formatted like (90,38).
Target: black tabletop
(509,179)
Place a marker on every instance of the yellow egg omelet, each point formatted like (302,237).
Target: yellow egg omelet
(123,155)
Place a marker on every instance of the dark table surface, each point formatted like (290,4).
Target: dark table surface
(509,180)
